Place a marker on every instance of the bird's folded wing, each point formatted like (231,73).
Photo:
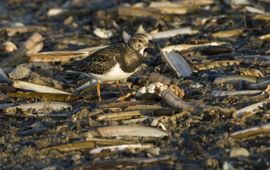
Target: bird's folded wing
(98,63)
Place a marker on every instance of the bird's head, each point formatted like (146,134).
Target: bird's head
(139,42)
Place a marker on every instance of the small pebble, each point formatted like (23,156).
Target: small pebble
(227,166)
(211,162)
(102,33)
(8,47)
(236,152)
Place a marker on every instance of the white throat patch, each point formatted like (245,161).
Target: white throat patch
(142,51)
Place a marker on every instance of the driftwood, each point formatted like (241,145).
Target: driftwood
(234,78)
(140,12)
(250,110)
(227,33)
(89,144)
(32,45)
(264,129)
(234,93)
(41,108)
(174,101)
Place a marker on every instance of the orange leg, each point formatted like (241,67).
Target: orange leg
(98,90)
(118,85)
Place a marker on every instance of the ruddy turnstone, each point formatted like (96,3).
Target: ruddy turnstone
(113,63)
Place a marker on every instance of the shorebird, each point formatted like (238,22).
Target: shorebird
(113,63)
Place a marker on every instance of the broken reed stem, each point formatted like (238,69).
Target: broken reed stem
(33,44)
(263,129)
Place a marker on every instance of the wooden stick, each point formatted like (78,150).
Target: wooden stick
(264,129)
(146,12)
(18,56)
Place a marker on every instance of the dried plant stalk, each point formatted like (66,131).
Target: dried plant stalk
(142,111)
(180,7)
(89,144)
(132,131)
(38,107)
(234,78)
(215,64)
(118,148)
(144,107)
(264,129)
(228,34)
(43,96)
(234,93)
(121,115)
(184,47)
(265,37)
(37,88)
(171,33)
(173,10)
(146,12)
(181,3)
(249,110)
(124,104)
(262,17)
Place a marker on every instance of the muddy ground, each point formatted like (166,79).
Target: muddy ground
(202,137)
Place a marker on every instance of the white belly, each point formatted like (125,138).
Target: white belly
(114,74)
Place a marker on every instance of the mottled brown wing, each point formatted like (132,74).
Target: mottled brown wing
(99,62)
(130,60)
